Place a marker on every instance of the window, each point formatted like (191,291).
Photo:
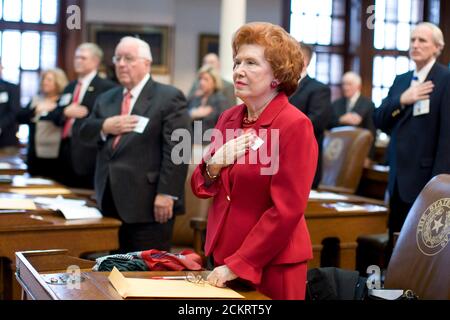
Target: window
(28,42)
(322,25)
(394,20)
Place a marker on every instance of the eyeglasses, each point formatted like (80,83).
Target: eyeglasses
(126,59)
(195,278)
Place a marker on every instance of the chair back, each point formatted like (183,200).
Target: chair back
(421,258)
(344,152)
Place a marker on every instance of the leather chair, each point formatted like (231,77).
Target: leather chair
(196,209)
(421,257)
(344,152)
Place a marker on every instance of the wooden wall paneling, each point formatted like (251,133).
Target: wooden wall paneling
(69,39)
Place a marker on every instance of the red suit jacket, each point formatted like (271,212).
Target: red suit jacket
(257,220)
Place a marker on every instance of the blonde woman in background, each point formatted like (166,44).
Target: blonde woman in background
(44,136)
(207,106)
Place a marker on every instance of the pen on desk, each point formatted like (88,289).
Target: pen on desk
(12,211)
(169,278)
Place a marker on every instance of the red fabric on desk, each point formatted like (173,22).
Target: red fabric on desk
(157,260)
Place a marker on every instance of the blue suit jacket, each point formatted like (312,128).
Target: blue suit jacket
(420,145)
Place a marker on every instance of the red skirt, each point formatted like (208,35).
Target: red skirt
(284,282)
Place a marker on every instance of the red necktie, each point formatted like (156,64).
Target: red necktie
(126,103)
(69,122)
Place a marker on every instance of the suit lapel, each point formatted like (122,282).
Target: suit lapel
(358,105)
(342,107)
(90,92)
(114,109)
(304,83)
(71,88)
(430,77)
(143,102)
(405,86)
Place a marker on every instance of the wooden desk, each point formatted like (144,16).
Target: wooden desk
(324,222)
(12,165)
(43,230)
(34,268)
(374,181)
(82,194)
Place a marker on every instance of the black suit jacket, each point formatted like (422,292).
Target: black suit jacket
(419,147)
(9,107)
(313,98)
(141,165)
(82,156)
(364,107)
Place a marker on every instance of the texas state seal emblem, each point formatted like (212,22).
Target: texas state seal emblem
(433,230)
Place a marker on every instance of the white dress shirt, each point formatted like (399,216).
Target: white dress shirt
(422,74)
(352,101)
(136,91)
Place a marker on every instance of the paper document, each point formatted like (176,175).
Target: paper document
(344,206)
(80,212)
(40,191)
(70,208)
(5,165)
(54,202)
(22,181)
(316,195)
(132,287)
(387,294)
(17,204)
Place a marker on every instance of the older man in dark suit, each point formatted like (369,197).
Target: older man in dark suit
(313,98)
(136,179)
(9,107)
(353,109)
(77,160)
(416,114)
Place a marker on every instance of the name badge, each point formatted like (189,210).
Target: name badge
(421,107)
(4,97)
(258,143)
(65,99)
(142,123)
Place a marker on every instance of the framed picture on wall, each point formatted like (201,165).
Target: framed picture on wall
(207,43)
(107,36)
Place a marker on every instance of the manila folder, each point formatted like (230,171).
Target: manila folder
(149,288)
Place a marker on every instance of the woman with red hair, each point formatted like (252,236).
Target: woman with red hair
(259,170)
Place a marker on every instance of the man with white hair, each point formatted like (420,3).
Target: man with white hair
(352,109)
(77,160)
(416,114)
(135,179)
